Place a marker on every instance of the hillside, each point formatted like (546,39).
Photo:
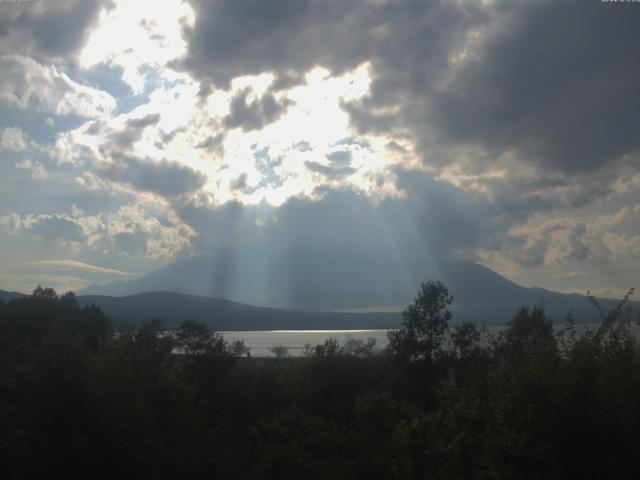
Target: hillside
(480,294)
(172,308)
(6,297)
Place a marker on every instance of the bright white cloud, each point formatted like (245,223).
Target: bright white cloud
(136,34)
(288,157)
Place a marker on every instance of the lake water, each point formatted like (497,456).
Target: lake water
(261,342)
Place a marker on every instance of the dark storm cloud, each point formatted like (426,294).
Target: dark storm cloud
(254,114)
(44,28)
(165,178)
(240,37)
(554,82)
(558,82)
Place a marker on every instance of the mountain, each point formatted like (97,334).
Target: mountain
(301,282)
(480,294)
(220,315)
(6,297)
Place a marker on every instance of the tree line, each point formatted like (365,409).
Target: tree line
(442,401)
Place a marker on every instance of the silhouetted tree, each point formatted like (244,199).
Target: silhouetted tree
(239,348)
(358,347)
(465,339)
(424,324)
(279,351)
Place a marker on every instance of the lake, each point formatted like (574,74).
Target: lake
(261,342)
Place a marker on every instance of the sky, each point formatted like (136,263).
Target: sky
(137,133)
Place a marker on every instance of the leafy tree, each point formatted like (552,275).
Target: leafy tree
(33,317)
(193,337)
(465,339)
(528,328)
(424,324)
(45,294)
(358,347)
(330,348)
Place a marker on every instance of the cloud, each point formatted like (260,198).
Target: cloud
(169,179)
(340,157)
(56,227)
(27,84)
(133,130)
(212,143)
(344,245)
(240,183)
(81,266)
(555,82)
(432,216)
(37,169)
(129,231)
(339,165)
(555,241)
(246,37)
(138,39)
(27,282)
(254,114)
(473,129)
(13,139)
(130,243)
(329,171)
(47,29)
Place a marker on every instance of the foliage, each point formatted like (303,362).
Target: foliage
(77,399)
(239,349)
(424,324)
(279,351)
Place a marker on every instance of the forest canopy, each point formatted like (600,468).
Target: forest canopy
(442,401)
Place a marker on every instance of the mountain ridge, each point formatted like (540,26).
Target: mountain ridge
(480,294)
(172,308)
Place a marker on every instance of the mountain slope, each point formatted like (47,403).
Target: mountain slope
(6,297)
(302,283)
(480,294)
(172,308)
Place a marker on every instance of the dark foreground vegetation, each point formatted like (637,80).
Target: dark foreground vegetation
(444,402)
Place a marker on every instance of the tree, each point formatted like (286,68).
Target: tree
(465,339)
(193,337)
(424,324)
(528,326)
(279,351)
(239,348)
(360,348)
